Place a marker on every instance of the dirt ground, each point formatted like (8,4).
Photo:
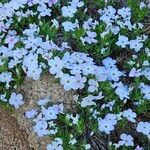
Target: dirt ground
(12,137)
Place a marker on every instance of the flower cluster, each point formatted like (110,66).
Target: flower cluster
(16,100)
(44,117)
(107,124)
(135,44)
(83,52)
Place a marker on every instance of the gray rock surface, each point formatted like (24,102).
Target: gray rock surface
(33,91)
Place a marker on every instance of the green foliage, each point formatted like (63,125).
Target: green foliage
(137,13)
(48,30)
(6,106)
(4,67)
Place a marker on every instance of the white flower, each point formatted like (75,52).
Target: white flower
(11,41)
(124,12)
(130,115)
(65,45)
(79,82)
(88,101)
(52,128)
(109,63)
(109,105)
(6,77)
(145,89)
(31,113)
(69,26)
(74,119)
(122,91)
(3,97)
(41,128)
(49,114)
(139,148)
(147,51)
(135,73)
(103,50)
(95,114)
(87,146)
(34,73)
(56,65)
(142,5)
(90,38)
(43,101)
(101,74)
(55,23)
(136,45)
(115,29)
(44,11)
(58,108)
(119,116)
(114,74)
(76,3)
(68,11)
(90,24)
(105,126)
(73,141)
(68,82)
(75,69)
(55,145)
(144,127)
(16,100)
(108,14)
(30,60)
(103,34)
(93,85)
(88,69)
(146,73)
(146,63)
(112,118)
(126,140)
(122,41)
(51,2)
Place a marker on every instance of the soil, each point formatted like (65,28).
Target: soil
(12,137)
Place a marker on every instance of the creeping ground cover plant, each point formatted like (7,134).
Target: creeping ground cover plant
(98,48)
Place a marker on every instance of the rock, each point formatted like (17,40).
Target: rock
(12,137)
(33,91)
(46,86)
